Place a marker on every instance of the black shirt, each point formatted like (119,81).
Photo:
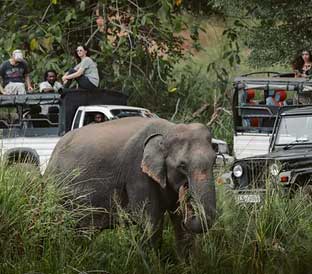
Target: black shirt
(16,73)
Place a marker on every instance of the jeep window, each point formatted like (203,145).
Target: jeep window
(9,117)
(77,120)
(90,117)
(40,116)
(120,113)
(257,107)
(294,129)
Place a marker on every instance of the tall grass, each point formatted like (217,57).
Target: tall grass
(38,233)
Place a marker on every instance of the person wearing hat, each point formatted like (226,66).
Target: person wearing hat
(15,73)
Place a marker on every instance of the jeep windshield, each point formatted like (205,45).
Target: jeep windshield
(294,130)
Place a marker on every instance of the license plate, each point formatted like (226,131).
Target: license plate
(248,198)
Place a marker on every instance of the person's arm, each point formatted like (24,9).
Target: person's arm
(28,82)
(74,75)
(26,76)
(47,90)
(44,87)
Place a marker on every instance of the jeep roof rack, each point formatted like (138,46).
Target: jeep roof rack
(30,99)
(288,83)
(261,72)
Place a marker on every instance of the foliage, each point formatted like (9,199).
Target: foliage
(135,44)
(275,31)
(53,29)
(38,235)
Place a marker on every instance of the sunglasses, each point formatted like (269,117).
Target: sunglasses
(79,50)
(305,53)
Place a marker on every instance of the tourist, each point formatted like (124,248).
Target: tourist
(50,84)
(85,72)
(15,73)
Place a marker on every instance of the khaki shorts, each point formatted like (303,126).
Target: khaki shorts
(15,88)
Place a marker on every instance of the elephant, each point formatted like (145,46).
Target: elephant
(145,163)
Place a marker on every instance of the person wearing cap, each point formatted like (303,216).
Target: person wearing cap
(15,73)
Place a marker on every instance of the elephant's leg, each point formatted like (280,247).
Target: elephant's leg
(184,239)
(145,207)
(100,200)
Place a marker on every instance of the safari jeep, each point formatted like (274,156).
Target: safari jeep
(288,165)
(255,108)
(32,124)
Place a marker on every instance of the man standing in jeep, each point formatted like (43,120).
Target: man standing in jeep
(15,73)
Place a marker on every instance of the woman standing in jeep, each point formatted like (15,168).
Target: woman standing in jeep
(302,65)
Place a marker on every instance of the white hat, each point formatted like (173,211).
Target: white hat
(18,55)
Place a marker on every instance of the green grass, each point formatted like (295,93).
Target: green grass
(38,233)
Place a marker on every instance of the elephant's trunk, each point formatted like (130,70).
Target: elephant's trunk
(203,203)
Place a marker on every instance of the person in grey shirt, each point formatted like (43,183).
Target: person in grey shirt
(85,73)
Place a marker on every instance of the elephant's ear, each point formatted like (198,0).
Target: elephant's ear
(153,162)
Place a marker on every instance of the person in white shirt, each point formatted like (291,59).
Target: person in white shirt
(50,84)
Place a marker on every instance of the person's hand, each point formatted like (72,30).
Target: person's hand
(297,73)
(64,79)
(30,88)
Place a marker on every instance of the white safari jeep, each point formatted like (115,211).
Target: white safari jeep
(32,124)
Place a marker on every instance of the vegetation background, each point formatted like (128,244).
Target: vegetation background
(177,58)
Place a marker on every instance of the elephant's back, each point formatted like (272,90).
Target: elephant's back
(116,132)
(99,143)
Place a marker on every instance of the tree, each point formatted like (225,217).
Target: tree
(135,43)
(274,30)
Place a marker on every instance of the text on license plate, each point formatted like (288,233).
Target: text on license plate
(248,198)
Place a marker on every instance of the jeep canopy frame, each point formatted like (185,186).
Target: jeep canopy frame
(67,102)
(242,110)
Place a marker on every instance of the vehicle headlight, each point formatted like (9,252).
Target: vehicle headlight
(274,169)
(237,171)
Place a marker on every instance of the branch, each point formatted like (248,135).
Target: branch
(176,109)
(198,112)
(91,36)
(216,115)
(45,13)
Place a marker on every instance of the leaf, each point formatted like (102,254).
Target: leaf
(226,54)
(54,2)
(174,89)
(34,44)
(82,5)
(68,17)
(47,43)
